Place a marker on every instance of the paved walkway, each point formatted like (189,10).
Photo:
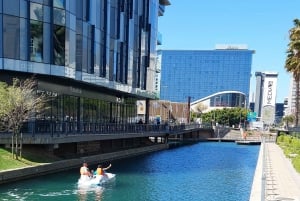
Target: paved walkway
(278,180)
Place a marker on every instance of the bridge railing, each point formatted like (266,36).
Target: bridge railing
(56,128)
(294,131)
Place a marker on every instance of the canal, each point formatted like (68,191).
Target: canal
(205,171)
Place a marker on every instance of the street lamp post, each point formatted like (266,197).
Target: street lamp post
(169,111)
(240,119)
(189,109)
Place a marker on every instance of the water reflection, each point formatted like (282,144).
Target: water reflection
(83,192)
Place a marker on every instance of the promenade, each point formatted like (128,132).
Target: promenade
(275,178)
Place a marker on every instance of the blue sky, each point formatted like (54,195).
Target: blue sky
(262,25)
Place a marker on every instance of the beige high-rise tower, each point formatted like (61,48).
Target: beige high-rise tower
(265,96)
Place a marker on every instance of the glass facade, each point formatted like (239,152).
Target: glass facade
(71,114)
(201,73)
(227,100)
(97,54)
(219,100)
(279,112)
(116,45)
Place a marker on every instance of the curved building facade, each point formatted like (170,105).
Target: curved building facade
(93,57)
(219,100)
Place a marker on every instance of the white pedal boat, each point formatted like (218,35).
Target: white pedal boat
(85,180)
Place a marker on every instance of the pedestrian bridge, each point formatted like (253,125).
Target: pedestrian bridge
(64,132)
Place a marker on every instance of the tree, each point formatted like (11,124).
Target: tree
(288,119)
(292,63)
(200,108)
(225,116)
(18,103)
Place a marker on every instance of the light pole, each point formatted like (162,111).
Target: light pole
(169,111)
(189,109)
(240,119)
(164,90)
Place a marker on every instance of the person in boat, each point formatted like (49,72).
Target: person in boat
(84,171)
(101,171)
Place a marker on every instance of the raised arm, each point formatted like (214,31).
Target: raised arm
(107,167)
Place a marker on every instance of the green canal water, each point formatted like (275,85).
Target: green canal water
(211,171)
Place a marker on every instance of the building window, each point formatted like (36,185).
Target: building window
(36,12)
(36,41)
(11,7)
(59,45)
(79,52)
(59,17)
(24,37)
(59,3)
(11,37)
(47,46)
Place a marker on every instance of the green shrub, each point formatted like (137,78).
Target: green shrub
(280,138)
(290,145)
(296,163)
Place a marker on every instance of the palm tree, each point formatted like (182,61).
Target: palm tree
(292,63)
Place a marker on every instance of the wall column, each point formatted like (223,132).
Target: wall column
(147,111)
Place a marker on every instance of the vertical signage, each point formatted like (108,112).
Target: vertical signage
(269,95)
(269,99)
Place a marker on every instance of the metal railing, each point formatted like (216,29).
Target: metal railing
(293,131)
(56,128)
(263,176)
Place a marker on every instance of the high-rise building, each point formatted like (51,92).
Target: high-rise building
(95,58)
(265,96)
(201,73)
(279,112)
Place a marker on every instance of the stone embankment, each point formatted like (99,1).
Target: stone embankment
(42,169)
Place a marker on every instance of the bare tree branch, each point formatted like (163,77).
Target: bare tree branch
(19,102)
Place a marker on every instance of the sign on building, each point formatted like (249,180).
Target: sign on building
(269,99)
(141,107)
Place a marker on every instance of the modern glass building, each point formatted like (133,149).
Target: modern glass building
(224,99)
(201,73)
(279,112)
(95,58)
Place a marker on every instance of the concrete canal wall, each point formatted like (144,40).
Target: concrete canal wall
(34,171)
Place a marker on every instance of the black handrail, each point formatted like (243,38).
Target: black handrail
(56,128)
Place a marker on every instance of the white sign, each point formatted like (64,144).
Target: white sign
(257,124)
(269,94)
(269,99)
(141,107)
